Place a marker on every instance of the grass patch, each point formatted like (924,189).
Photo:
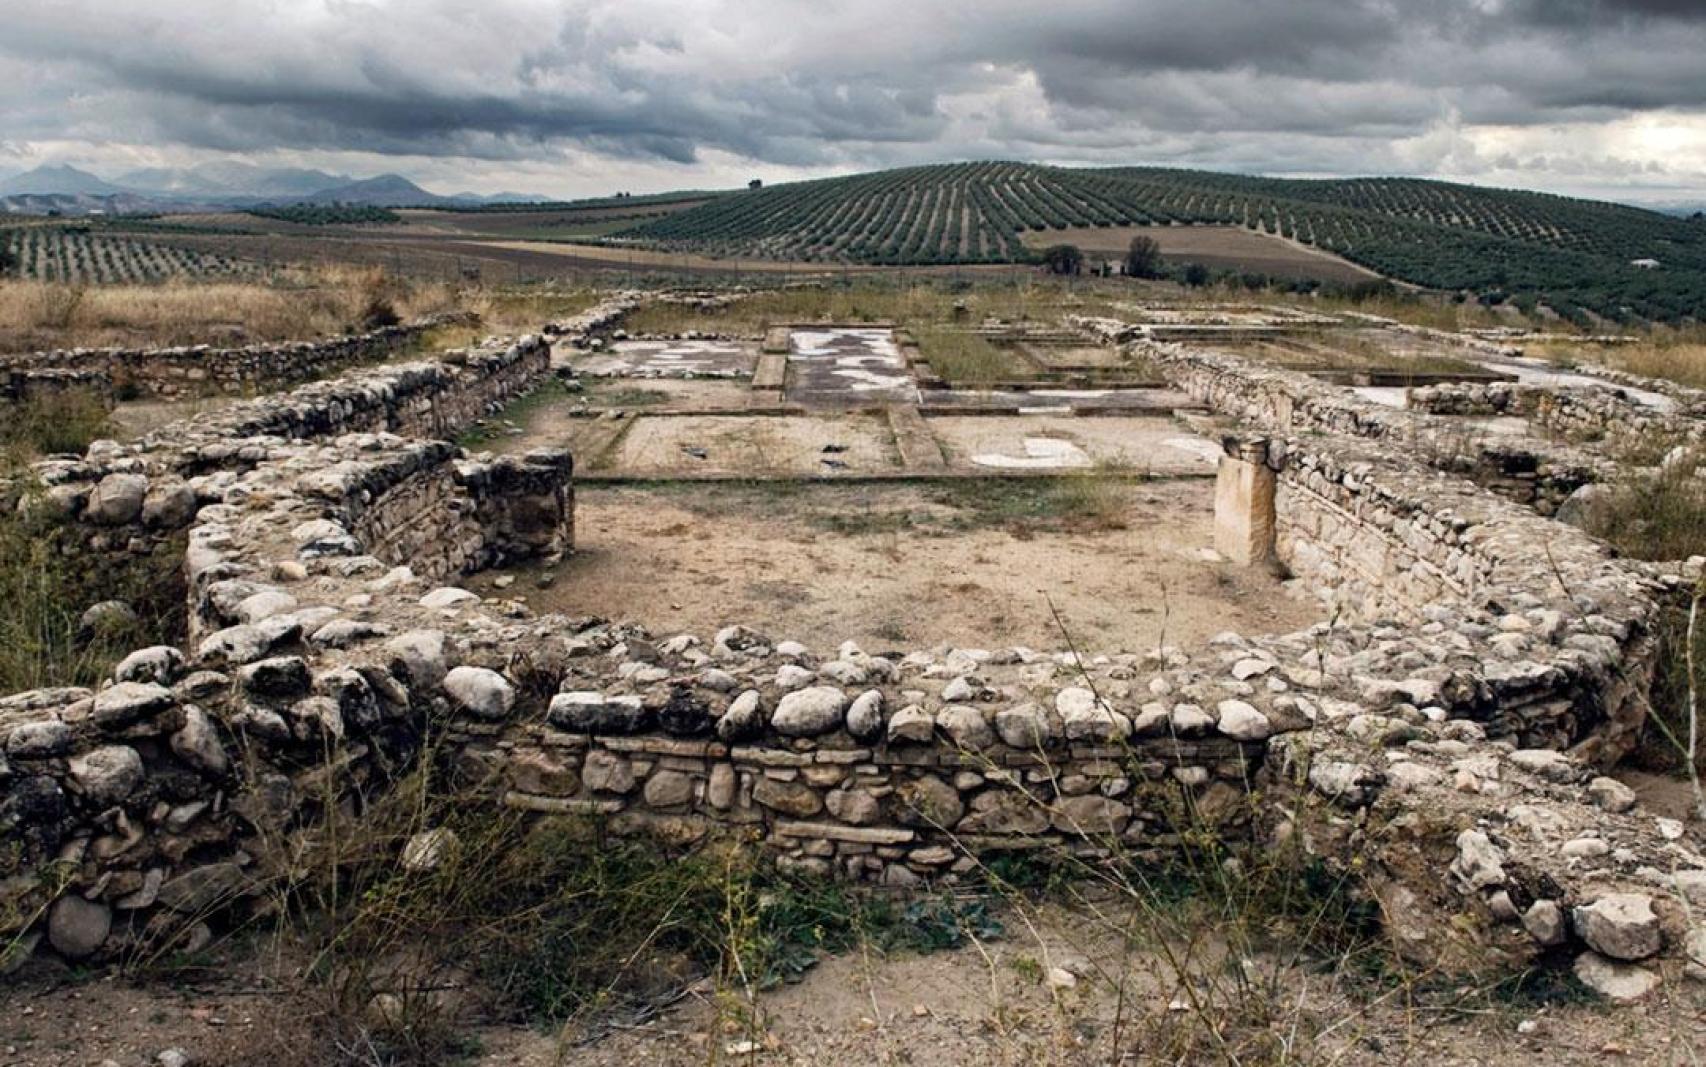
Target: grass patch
(296,306)
(520,412)
(553,923)
(969,359)
(52,423)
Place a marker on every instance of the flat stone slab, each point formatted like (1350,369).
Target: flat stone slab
(670,359)
(799,445)
(848,365)
(1064,443)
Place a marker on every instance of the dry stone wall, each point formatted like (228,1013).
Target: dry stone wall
(1441,737)
(203,370)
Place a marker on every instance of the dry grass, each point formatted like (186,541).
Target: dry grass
(40,315)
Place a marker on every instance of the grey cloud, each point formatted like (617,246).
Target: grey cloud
(1269,84)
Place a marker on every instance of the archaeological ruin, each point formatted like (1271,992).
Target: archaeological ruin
(1445,730)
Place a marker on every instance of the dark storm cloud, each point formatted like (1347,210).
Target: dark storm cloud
(835,82)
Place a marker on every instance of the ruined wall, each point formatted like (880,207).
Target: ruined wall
(1485,662)
(203,370)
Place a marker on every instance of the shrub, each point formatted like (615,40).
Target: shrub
(1143,257)
(1063,259)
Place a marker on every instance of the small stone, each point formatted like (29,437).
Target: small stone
(1611,795)
(607,773)
(720,790)
(809,712)
(855,806)
(447,597)
(1246,669)
(966,727)
(161,665)
(108,775)
(591,712)
(117,499)
(865,716)
(912,723)
(929,802)
(668,789)
(1059,978)
(1479,863)
(426,850)
(197,743)
(1188,719)
(1242,721)
(1026,726)
(127,703)
(791,676)
(744,718)
(76,928)
(1614,980)
(790,798)
(1621,926)
(1544,921)
(418,657)
(482,693)
(40,740)
(958,690)
(1085,718)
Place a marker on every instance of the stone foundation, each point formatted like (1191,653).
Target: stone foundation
(1482,664)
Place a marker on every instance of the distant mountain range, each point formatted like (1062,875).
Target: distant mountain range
(217,185)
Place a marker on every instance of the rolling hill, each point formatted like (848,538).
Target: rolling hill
(1570,254)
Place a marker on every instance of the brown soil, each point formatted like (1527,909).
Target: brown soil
(987,1003)
(890,566)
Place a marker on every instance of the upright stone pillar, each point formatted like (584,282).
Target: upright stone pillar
(1244,520)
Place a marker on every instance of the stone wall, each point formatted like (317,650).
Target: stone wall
(1539,474)
(205,370)
(1449,720)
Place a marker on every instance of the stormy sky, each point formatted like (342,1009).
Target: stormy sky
(584,97)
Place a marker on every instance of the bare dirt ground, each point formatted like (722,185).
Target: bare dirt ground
(1213,246)
(990,1002)
(976,565)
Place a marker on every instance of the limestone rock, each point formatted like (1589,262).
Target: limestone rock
(744,719)
(865,716)
(966,727)
(1621,926)
(1613,980)
(160,664)
(912,723)
(1611,795)
(607,773)
(591,712)
(1026,726)
(928,801)
(482,693)
(107,775)
(790,798)
(197,743)
(856,806)
(668,789)
(418,657)
(429,848)
(1479,863)
(126,703)
(76,928)
(809,712)
(1090,815)
(117,499)
(1544,921)
(1243,721)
